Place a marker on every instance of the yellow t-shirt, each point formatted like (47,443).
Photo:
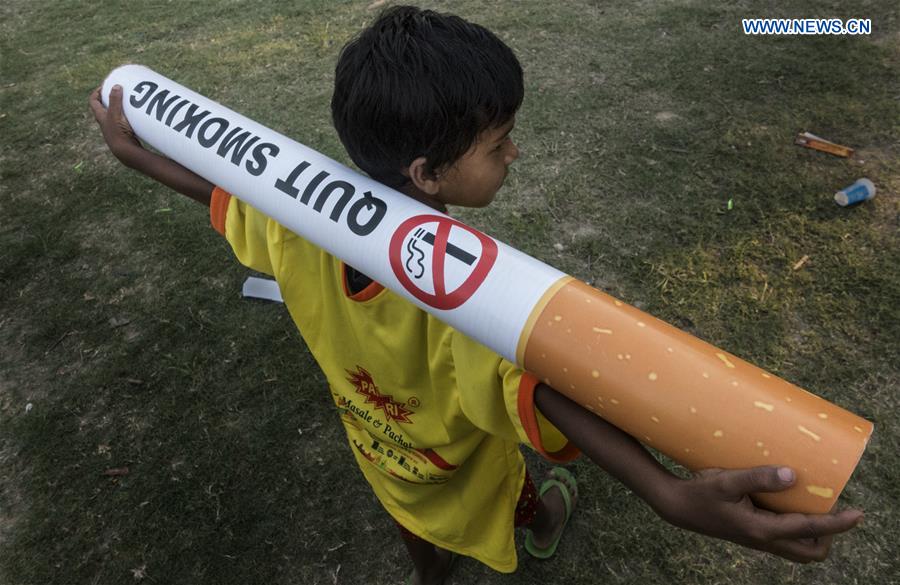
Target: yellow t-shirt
(434,418)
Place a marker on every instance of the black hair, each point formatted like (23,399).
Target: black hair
(420,83)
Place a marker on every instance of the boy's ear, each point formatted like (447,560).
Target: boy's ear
(421,178)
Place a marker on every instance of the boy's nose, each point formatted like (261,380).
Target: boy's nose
(513,153)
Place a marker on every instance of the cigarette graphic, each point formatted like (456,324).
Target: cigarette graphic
(698,404)
(414,262)
(452,250)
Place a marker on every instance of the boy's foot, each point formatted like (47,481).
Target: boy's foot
(436,574)
(558,494)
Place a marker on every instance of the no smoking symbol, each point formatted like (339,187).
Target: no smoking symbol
(439,260)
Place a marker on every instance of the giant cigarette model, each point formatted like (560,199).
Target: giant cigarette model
(698,404)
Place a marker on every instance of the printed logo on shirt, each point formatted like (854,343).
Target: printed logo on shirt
(393,411)
(402,463)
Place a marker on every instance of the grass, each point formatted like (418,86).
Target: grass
(122,326)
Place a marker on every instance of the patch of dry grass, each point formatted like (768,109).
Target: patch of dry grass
(122,324)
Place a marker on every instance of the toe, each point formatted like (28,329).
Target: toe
(563,476)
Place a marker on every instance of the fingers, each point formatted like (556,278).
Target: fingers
(735,484)
(94,101)
(798,537)
(802,551)
(115,101)
(803,526)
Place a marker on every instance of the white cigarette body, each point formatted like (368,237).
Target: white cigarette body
(698,404)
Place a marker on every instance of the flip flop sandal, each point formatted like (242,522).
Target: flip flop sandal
(568,487)
(453,559)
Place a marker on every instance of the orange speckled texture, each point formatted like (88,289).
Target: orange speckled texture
(697,404)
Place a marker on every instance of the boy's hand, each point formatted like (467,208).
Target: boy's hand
(117,132)
(124,144)
(716,502)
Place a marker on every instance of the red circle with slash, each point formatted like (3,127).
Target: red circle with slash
(441,299)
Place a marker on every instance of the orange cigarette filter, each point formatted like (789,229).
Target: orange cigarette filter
(698,404)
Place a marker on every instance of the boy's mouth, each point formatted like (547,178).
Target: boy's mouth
(502,181)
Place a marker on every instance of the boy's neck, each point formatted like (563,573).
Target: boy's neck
(432,201)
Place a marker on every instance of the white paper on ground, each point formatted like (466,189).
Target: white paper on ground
(262,288)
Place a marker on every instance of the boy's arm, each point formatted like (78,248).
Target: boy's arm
(127,148)
(715,502)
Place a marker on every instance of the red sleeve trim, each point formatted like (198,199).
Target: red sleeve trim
(528,416)
(218,209)
(366,294)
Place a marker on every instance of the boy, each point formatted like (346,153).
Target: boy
(425,103)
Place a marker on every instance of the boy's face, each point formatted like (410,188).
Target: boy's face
(477,176)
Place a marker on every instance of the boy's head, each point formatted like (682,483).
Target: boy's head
(429,99)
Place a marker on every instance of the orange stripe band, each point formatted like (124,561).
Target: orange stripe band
(535,313)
